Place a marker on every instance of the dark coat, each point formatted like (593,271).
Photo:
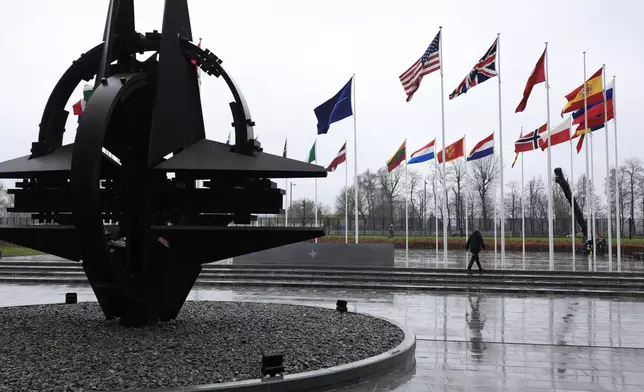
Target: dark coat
(475,242)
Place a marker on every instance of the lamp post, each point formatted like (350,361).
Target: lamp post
(290,206)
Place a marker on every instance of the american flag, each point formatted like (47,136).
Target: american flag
(428,63)
(482,71)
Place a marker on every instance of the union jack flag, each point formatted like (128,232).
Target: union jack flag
(482,71)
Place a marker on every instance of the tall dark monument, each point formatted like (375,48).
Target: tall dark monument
(130,174)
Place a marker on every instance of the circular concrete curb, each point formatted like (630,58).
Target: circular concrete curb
(400,357)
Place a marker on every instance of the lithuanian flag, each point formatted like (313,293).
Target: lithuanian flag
(593,94)
(398,157)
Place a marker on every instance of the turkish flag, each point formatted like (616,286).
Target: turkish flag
(453,151)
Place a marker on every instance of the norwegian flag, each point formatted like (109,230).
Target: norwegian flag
(530,141)
(482,71)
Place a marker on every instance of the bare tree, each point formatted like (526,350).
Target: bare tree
(512,203)
(391,185)
(456,173)
(483,176)
(631,174)
(368,193)
(622,196)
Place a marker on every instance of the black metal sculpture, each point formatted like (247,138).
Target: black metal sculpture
(143,123)
(565,187)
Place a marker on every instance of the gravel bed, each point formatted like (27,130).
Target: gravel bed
(73,348)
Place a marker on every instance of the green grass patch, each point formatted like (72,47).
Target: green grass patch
(11,250)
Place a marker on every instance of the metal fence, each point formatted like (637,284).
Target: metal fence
(419,227)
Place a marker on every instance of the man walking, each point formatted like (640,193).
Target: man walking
(474,244)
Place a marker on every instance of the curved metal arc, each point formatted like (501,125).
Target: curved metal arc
(243,123)
(85,177)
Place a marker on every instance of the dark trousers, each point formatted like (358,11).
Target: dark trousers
(475,257)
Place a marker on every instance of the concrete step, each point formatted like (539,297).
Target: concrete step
(443,288)
(475,278)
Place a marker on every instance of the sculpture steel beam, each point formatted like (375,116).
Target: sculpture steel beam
(565,187)
(123,198)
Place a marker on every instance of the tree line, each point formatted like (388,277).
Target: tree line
(473,193)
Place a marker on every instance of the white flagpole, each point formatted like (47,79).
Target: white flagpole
(406,211)
(587,190)
(572,201)
(436,208)
(610,229)
(617,209)
(498,63)
(551,246)
(286,201)
(591,147)
(346,200)
(440,54)
(355,155)
(315,147)
(467,232)
(522,209)
(495,206)
(467,226)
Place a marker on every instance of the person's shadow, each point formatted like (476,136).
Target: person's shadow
(475,323)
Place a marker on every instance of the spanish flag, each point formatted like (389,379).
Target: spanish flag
(453,151)
(594,94)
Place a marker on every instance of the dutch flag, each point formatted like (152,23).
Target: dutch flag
(482,149)
(423,154)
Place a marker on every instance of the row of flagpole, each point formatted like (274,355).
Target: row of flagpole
(493,52)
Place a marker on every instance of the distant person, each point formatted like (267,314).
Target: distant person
(391,230)
(474,244)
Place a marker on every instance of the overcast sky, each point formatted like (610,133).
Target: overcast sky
(290,56)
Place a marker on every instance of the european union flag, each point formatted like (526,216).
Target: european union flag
(335,109)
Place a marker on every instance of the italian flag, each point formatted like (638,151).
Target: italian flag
(398,157)
(79,107)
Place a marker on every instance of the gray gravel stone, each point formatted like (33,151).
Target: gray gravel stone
(73,348)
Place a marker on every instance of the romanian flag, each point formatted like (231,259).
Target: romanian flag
(398,157)
(593,93)
(453,151)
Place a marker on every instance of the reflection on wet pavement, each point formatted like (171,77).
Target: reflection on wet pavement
(469,342)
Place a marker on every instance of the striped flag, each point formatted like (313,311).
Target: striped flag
(340,158)
(428,63)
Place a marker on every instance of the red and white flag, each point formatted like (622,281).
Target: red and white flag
(340,158)
(558,135)
(538,76)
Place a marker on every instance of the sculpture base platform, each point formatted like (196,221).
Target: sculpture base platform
(323,254)
(212,346)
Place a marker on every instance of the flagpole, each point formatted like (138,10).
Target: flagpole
(610,229)
(466,208)
(436,208)
(440,54)
(498,54)
(495,207)
(617,209)
(572,201)
(346,201)
(406,211)
(286,198)
(551,247)
(355,156)
(522,209)
(315,151)
(587,187)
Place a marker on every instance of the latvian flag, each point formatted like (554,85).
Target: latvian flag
(79,107)
(340,158)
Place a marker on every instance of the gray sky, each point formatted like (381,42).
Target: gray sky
(290,56)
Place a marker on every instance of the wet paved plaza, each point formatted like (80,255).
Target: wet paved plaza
(470,342)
